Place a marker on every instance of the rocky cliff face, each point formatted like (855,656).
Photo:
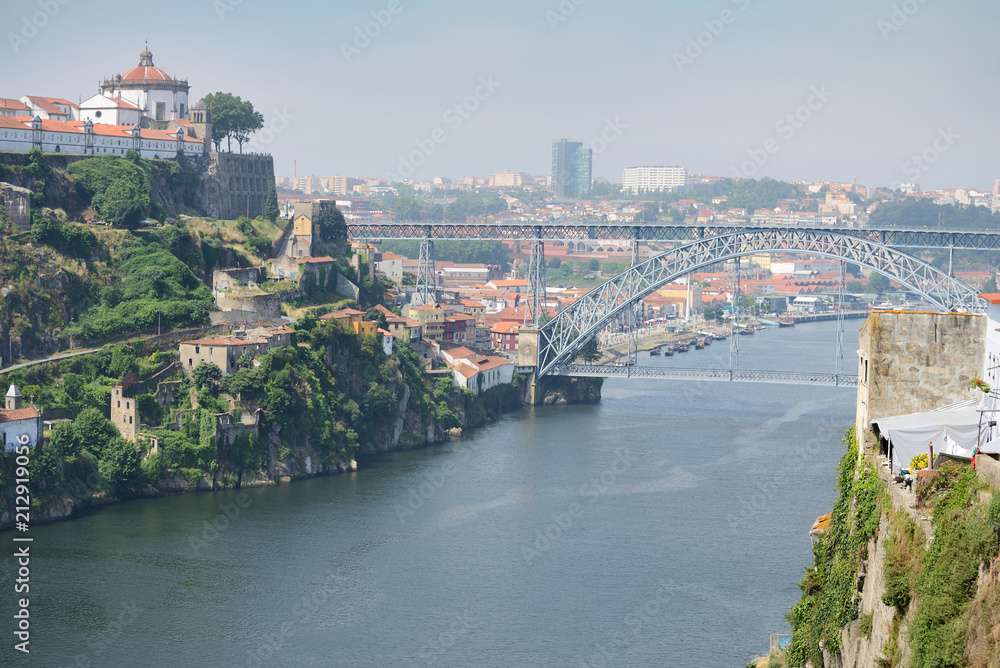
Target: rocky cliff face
(558,390)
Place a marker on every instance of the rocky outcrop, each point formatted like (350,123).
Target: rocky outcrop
(560,390)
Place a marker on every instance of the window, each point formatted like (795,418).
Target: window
(190,362)
(119,404)
(197,350)
(210,351)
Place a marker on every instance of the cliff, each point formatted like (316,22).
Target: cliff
(308,409)
(903,578)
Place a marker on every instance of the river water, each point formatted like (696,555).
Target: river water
(667,525)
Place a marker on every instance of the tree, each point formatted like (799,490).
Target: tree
(92,431)
(713,314)
(225,110)
(377,315)
(248,121)
(121,467)
(854,286)
(878,283)
(991,285)
(232,118)
(554,263)
(271,211)
(206,374)
(589,353)
(593,265)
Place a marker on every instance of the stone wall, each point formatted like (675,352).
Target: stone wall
(228,279)
(912,362)
(17,202)
(237,185)
(265,306)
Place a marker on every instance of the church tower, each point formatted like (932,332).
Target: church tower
(14,400)
(201,123)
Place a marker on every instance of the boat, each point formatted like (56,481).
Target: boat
(655,352)
(698,345)
(668,351)
(786,321)
(720,337)
(747,330)
(682,347)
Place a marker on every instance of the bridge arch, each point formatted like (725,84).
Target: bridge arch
(563,336)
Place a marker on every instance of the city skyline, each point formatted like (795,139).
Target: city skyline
(887,92)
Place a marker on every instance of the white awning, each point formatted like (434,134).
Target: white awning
(950,429)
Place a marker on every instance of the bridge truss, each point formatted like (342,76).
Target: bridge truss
(563,336)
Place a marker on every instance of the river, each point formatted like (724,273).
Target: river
(667,525)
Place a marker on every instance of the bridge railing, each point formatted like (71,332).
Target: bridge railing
(727,375)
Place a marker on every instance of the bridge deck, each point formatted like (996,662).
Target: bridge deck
(675,373)
(673,232)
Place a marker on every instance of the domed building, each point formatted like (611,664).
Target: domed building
(158,97)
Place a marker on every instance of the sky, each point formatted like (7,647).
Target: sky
(884,91)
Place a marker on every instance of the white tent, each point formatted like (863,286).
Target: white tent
(951,429)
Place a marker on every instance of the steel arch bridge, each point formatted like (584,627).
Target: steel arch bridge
(563,336)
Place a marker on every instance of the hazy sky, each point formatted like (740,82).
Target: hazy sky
(888,80)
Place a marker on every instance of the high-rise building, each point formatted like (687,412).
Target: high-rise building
(571,168)
(649,179)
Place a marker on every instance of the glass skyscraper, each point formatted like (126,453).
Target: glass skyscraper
(571,168)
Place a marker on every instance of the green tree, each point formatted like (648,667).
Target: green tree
(589,353)
(271,211)
(991,285)
(232,118)
(206,374)
(878,283)
(854,286)
(92,431)
(248,122)
(377,315)
(225,116)
(121,467)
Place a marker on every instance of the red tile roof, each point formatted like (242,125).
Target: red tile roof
(146,74)
(226,341)
(48,104)
(6,103)
(19,414)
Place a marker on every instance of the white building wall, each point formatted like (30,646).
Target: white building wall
(17,431)
(637,179)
